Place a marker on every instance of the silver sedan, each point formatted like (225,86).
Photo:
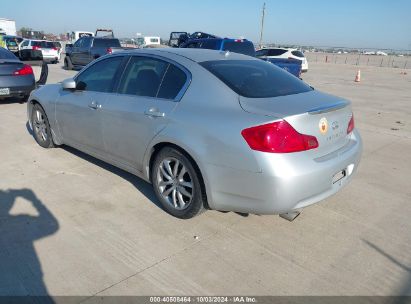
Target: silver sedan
(209,129)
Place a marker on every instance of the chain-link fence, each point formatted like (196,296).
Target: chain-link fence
(391,61)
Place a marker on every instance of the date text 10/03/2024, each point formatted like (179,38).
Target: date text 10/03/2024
(206,299)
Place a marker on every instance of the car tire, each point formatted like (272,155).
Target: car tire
(68,65)
(41,127)
(24,98)
(177,184)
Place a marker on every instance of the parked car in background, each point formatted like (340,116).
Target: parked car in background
(57,44)
(12,43)
(149,41)
(47,48)
(76,35)
(208,129)
(292,66)
(16,77)
(89,48)
(241,46)
(178,38)
(245,47)
(286,53)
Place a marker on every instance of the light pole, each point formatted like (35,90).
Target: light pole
(262,26)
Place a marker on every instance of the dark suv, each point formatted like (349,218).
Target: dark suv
(86,49)
(242,46)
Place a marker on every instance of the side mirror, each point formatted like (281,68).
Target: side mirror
(69,84)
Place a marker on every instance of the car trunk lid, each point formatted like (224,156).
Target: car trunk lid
(313,113)
(8,67)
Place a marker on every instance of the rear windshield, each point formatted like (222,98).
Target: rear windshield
(5,54)
(37,43)
(256,78)
(244,47)
(105,42)
(298,54)
(11,43)
(48,44)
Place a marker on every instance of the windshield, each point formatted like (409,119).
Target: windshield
(256,78)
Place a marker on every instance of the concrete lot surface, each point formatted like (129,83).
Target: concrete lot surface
(72,225)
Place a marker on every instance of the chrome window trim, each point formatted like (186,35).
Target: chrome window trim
(178,97)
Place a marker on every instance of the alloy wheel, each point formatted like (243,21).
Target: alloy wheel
(175,183)
(40,126)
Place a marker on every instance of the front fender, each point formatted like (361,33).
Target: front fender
(46,96)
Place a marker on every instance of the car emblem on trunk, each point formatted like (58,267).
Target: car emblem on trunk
(334,125)
(323,125)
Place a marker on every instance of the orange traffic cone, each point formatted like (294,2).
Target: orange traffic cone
(358,76)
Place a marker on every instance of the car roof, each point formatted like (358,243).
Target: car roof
(196,55)
(4,51)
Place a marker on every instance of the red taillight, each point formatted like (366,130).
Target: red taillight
(36,48)
(55,49)
(109,51)
(350,125)
(278,137)
(25,70)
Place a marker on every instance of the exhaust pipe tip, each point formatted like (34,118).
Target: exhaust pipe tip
(290,216)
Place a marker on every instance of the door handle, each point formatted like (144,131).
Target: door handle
(94,105)
(153,112)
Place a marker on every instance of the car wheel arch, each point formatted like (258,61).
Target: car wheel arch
(31,104)
(155,149)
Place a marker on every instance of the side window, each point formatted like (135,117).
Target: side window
(86,42)
(100,76)
(78,43)
(25,43)
(172,83)
(193,45)
(209,44)
(143,76)
(261,53)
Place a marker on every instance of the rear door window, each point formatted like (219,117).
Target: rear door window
(151,77)
(173,82)
(99,77)
(143,76)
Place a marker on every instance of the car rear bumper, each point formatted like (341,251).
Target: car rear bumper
(48,58)
(286,183)
(18,85)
